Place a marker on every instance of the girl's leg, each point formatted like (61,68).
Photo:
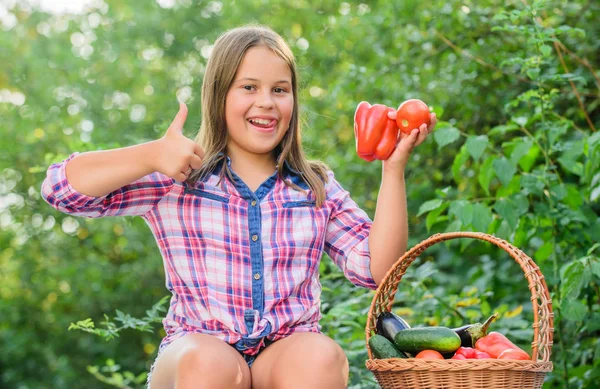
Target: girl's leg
(302,360)
(200,361)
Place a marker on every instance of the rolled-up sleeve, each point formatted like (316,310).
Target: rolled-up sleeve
(136,198)
(347,237)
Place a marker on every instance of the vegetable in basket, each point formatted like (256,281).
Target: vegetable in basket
(512,353)
(495,344)
(414,340)
(471,333)
(383,348)
(470,353)
(429,354)
(388,325)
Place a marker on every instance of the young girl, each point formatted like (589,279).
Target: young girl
(242,218)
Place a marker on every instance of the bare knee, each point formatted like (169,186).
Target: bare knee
(304,360)
(322,367)
(319,350)
(210,367)
(194,361)
(200,361)
(330,356)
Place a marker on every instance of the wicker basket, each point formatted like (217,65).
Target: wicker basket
(414,373)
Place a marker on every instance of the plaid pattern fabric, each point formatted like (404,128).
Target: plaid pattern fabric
(240,265)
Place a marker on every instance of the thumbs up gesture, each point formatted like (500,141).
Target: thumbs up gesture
(177,155)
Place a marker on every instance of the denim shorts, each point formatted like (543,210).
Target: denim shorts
(251,358)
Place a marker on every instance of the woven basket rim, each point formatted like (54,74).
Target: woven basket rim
(405,364)
(543,323)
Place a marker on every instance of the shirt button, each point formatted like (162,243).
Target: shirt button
(255,237)
(253,203)
(257,276)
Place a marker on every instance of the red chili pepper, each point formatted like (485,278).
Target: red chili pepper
(495,344)
(483,355)
(376,134)
(470,353)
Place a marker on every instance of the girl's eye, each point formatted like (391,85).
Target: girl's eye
(252,87)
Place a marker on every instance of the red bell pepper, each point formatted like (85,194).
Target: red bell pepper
(512,353)
(470,353)
(495,344)
(376,134)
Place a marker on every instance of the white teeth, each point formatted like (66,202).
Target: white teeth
(260,121)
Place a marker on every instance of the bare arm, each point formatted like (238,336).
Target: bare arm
(388,238)
(389,233)
(98,173)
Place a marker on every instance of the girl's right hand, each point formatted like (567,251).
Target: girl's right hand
(176,155)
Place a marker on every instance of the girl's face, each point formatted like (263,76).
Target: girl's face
(259,104)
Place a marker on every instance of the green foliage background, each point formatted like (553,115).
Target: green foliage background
(516,154)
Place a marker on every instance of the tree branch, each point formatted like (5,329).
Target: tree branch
(564,65)
(477,59)
(557,47)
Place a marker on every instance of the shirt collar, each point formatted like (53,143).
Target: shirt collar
(287,168)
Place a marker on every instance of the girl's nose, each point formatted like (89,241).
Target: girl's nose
(264,100)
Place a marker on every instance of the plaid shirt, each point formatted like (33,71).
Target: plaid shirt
(240,265)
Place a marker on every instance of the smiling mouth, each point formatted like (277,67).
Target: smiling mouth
(263,124)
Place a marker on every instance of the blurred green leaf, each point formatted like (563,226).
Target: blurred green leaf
(445,134)
(476,145)
(504,170)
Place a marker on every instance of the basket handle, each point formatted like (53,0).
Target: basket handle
(543,325)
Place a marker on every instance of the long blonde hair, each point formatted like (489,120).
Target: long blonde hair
(226,56)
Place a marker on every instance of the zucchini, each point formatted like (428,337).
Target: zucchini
(383,348)
(415,340)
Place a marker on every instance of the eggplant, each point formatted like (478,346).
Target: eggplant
(471,333)
(389,324)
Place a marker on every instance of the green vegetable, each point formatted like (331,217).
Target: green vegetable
(383,348)
(415,340)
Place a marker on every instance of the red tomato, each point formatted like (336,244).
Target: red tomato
(412,114)
(429,354)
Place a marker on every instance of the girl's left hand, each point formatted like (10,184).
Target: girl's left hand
(407,142)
